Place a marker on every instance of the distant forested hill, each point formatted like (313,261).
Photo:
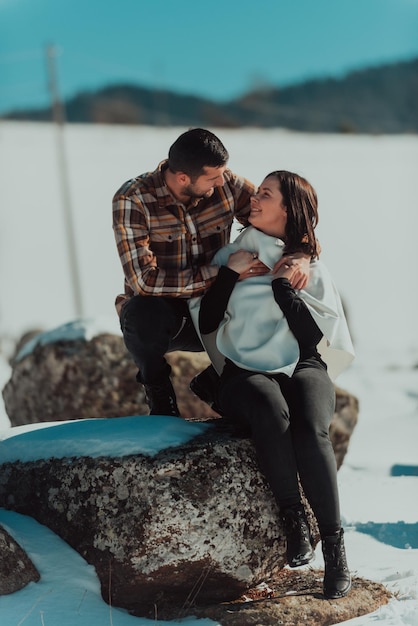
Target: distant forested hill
(376,100)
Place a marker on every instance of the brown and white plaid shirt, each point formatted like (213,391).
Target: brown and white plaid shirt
(165,248)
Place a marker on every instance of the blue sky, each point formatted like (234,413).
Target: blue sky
(218,49)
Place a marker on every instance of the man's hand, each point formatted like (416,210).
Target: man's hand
(294,267)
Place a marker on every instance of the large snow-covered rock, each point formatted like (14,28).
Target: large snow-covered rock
(191,522)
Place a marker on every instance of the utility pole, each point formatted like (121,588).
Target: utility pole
(58,118)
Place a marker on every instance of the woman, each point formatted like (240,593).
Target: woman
(280,350)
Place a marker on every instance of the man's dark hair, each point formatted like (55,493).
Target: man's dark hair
(194,150)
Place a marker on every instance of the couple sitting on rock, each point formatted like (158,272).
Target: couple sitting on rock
(264,308)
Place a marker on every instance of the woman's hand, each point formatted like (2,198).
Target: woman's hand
(246,264)
(295,267)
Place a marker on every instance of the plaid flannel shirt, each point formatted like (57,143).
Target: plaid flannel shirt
(165,248)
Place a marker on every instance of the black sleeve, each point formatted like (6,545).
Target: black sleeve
(297,314)
(214,302)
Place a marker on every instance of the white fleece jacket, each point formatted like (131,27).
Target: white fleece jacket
(254,333)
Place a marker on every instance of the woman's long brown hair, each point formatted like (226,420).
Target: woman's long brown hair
(301,202)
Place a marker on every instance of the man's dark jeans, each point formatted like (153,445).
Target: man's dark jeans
(151,327)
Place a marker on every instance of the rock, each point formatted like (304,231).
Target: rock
(192,530)
(66,380)
(343,423)
(294,598)
(194,522)
(16,568)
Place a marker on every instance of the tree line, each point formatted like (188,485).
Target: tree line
(375,100)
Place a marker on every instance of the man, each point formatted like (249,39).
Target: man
(168,224)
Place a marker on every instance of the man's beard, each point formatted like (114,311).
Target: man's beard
(191,192)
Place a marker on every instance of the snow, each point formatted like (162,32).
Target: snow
(80,329)
(368,225)
(96,437)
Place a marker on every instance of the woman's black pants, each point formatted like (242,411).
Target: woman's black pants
(289,419)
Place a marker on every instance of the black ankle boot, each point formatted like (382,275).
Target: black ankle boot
(337,579)
(206,387)
(299,549)
(161,398)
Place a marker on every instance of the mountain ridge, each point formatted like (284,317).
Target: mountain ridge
(382,99)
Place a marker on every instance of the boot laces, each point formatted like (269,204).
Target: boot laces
(296,526)
(334,555)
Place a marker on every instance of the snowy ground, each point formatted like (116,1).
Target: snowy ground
(368,226)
